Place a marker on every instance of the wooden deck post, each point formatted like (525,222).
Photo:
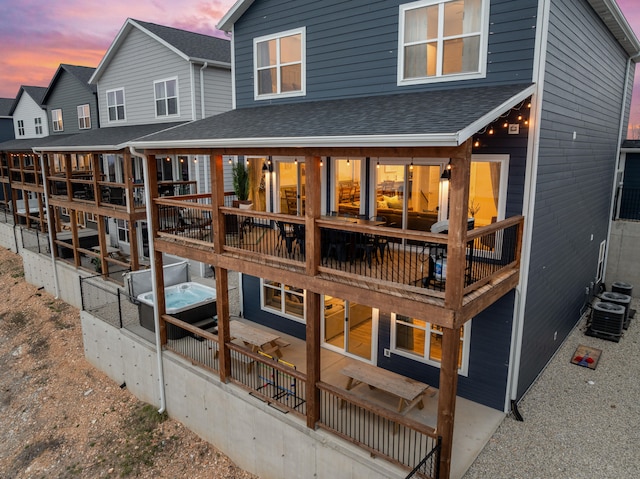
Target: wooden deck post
(222,275)
(454,293)
(157,255)
(314,304)
(447,396)
(313,358)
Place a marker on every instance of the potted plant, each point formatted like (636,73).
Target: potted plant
(241,184)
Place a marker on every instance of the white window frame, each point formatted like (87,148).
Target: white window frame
(283,293)
(84,120)
(21,128)
(439,77)
(38,123)
(303,61)
(56,119)
(465,345)
(166,98)
(122,225)
(116,105)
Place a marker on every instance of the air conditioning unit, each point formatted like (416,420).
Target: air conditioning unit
(621,299)
(606,321)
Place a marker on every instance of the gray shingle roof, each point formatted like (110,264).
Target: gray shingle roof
(5,106)
(103,139)
(82,74)
(35,92)
(193,45)
(443,112)
(26,144)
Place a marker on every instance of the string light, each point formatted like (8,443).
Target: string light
(491,131)
(476,143)
(378,164)
(347,161)
(230,161)
(296,161)
(321,163)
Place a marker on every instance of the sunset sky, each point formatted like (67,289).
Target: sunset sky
(36,36)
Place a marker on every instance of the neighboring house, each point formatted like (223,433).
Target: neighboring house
(407,114)
(623,255)
(178,76)
(6,133)
(29,113)
(6,121)
(71,101)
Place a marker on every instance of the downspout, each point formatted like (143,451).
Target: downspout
(49,223)
(154,287)
(528,207)
(193,93)
(202,114)
(615,174)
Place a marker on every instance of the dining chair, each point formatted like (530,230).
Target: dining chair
(286,235)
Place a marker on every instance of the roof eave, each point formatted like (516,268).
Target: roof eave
(491,116)
(235,12)
(614,19)
(92,148)
(356,141)
(211,63)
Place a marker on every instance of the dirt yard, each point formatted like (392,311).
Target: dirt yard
(62,418)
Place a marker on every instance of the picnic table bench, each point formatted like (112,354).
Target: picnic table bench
(409,392)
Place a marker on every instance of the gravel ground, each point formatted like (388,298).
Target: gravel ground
(578,422)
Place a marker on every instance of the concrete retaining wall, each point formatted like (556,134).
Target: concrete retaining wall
(257,437)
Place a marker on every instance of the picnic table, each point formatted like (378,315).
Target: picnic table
(408,391)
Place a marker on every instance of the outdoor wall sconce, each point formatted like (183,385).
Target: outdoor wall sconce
(446,174)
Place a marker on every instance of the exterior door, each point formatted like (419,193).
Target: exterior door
(349,328)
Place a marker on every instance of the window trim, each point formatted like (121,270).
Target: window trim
(81,109)
(282,311)
(57,122)
(302,31)
(177,97)
(463,370)
(124,106)
(482,57)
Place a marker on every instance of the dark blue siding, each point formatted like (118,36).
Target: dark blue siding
(352,47)
(67,94)
(583,91)
(6,129)
(251,308)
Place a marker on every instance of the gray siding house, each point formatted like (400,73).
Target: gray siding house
(71,102)
(6,122)
(157,74)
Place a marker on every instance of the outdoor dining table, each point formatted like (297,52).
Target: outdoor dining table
(255,338)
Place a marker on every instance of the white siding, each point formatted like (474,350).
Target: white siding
(28,110)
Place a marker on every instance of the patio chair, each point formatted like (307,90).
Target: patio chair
(286,235)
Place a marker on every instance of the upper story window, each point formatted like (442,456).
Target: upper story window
(84,117)
(442,40)
(38,123)
(115,105)
(166,92)
(20,127)
(279,64)
(56,120)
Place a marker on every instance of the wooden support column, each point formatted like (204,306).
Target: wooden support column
(314,304)
(312,213)
(457,237)
(222,275)
(67,171)
(454,293)
(314,312)
(157,255)
(447,396)
(73,221)
(102,241)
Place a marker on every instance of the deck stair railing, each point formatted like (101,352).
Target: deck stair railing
(429,466)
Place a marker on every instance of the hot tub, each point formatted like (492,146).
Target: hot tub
(189,302)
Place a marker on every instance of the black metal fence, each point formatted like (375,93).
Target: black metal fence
(630,204)
(430,464)
(108,302)
(35,240)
